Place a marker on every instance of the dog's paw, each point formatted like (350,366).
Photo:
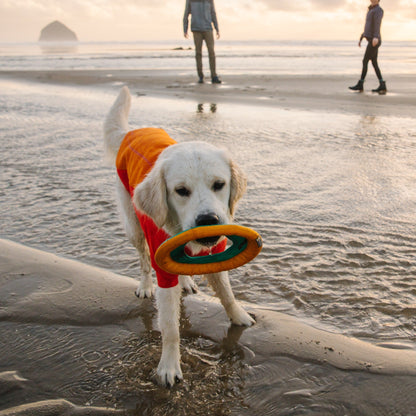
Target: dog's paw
(169,375)
(187,284)
(239,316)
(145,291)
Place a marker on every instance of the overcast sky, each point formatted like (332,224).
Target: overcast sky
(130,20)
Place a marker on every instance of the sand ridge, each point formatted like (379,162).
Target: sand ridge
(36,286)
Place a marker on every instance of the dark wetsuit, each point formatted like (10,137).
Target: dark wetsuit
(371,31)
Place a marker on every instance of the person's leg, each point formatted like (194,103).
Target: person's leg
(209,40)
(367,56)
(198,38)
(360,84)
(374,61)
(382,89)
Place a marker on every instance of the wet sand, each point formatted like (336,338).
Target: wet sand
(41,292)
(315,92)
(75,339)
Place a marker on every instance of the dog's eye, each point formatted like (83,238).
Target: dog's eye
(218,185)
(182,191)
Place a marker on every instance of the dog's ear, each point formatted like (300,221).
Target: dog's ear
(150,196)
(238,185)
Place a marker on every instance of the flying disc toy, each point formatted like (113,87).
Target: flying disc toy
(171,256)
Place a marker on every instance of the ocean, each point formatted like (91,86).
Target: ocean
(277,57)
(332,194)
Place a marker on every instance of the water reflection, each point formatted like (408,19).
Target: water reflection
(335,201)
(56,48)
(201,109)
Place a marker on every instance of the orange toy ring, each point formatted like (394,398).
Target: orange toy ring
(171,256)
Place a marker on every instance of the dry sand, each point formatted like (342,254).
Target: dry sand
(315,92)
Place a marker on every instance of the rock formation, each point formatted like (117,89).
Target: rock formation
(57,32)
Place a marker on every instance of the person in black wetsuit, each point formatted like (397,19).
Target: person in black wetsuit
(372,34)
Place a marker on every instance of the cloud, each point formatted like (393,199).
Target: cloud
(22,20)
(83,8)
(290,5)
(332,5)
(327,10)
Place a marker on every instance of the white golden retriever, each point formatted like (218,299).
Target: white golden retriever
(190,184)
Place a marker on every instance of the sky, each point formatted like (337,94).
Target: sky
(135,20)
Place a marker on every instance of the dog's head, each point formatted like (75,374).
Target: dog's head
(191,184)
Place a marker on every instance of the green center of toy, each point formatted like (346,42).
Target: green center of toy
(239,245)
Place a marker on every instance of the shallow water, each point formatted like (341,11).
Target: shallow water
(332,195)
(109,366)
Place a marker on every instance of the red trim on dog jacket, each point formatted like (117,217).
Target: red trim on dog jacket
(137,155)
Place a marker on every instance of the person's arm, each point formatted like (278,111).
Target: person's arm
(378,16)
(214,19)
(361,39)
(186,18)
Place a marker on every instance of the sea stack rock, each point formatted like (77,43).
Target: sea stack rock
(57,32)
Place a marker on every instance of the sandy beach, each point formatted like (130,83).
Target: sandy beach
(327,93)
(39,288)
(76,341)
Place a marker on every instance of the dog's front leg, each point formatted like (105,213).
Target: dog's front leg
(168,305)
(220,283)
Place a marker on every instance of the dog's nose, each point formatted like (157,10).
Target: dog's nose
(207,219)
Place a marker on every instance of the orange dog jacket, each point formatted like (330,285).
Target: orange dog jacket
(137,155)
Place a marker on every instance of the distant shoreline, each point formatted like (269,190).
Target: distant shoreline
(180,41)
(328,93)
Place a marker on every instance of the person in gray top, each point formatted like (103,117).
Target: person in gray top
(203,17)
(373,36)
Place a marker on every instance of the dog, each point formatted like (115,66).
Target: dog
(164,188)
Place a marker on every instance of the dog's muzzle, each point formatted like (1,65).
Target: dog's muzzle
(208,219)
(209,241)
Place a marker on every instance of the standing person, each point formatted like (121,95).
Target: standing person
(372,34)
(203,17)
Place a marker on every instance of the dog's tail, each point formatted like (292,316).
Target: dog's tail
(116,124)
